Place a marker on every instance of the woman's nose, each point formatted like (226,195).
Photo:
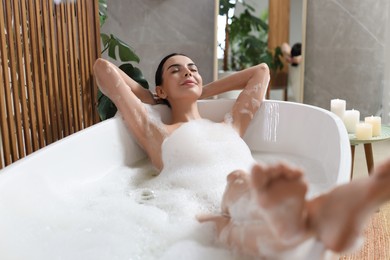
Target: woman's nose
(188,73)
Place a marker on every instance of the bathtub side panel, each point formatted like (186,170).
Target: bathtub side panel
(89,153)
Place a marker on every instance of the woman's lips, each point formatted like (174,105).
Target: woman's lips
(188,82)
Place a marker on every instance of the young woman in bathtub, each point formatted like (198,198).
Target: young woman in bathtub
(267,194)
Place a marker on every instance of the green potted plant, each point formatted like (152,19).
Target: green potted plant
(113,45)
(246,39)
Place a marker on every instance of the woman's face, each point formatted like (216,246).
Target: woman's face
(181,79)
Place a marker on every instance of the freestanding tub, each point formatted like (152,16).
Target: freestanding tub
(55,203)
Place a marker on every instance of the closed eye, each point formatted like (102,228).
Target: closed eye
(177,67)
(174,69)
(193,68)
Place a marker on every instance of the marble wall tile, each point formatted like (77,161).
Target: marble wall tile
(345,42)
(386,89)
(155,28)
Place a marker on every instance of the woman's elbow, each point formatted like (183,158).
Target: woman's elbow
(263,68)
(99,65)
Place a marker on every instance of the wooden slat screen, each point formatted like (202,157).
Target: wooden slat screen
(47,90)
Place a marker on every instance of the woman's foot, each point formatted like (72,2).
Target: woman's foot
(338,217)
(280,192)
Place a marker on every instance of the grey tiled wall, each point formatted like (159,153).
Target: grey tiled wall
(155,28)
(345,45)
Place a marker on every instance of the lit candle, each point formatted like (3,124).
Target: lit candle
(351,119)
(363,131)
(376,122)
(337,106)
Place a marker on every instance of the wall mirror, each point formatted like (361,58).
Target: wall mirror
(286,21)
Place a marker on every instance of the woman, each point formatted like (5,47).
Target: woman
(266,193)
(181,87)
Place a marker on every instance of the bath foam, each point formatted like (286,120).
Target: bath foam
(110,218)
(197,158)
(98,219)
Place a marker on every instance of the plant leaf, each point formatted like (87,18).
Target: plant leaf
(135,74)
(263,24)
(106,107)
(105,39)
(111,48)
(225,6)
(102,12)
(125,51)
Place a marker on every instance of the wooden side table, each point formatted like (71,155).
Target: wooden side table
(385,135)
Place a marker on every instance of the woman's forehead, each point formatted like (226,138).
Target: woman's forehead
(178,59)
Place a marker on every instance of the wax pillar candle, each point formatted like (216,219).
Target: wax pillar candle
(351,119)
(363,131)
(376,122)
(337,106)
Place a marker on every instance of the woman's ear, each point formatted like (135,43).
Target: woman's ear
(160,92)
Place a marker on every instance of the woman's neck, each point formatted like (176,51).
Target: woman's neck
(185,112)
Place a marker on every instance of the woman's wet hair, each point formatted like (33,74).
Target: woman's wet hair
(159,72)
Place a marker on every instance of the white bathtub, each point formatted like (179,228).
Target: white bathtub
(42,194)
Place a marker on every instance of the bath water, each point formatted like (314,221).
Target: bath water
(131,213)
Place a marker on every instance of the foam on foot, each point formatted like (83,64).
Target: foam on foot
(280,192)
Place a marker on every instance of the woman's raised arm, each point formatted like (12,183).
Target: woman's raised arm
(236,81)
(129,96)
(143,94)
(254,83)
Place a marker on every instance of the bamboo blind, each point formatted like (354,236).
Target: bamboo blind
(46,87)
